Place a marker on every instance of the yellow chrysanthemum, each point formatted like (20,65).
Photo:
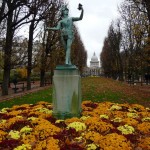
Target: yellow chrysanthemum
(146,119)
(104,117)
(32,118)
(44,110)
(23,147)
(4,110)
(26,130)
(59,121)
(117,119)
(126,129)
(21,117)
(115,107)
(132,115)
(78,126)
(70,120)
(3,121)
(131,110)
(91,146)
(14,134)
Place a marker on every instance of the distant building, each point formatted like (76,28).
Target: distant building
(94,63)
(94,69)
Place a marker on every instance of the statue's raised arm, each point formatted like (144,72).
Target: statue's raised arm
(81,15)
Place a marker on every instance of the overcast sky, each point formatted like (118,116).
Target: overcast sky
(98,15)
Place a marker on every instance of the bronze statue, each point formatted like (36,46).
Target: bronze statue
(66,27)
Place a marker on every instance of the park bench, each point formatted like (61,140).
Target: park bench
(17,86)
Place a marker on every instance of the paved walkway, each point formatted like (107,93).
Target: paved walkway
(34,87)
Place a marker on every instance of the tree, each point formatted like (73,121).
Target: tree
(135,26)
(38,9)
(50,43)
(13,22)
(105,58)
(110,56)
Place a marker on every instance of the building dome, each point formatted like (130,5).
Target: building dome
(94,58)
(94,63)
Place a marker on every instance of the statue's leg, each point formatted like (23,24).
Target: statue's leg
(69,43)
(64,42)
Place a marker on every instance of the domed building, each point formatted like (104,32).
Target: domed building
(94,63)
(94,69)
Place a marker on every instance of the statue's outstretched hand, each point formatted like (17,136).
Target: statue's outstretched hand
(80,7)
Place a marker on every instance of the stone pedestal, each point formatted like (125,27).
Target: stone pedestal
(66,92)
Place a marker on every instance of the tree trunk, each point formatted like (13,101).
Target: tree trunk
(7,55)
(42,70)
(30,45)
(42,77)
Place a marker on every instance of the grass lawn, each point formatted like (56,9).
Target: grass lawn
(43,95)
(96,89)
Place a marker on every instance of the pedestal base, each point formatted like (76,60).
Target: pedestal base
(66,92)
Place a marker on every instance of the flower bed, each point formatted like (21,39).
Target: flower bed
(102,126)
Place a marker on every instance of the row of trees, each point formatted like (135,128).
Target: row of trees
(126,48)
(47,51)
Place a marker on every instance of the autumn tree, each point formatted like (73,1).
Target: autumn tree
(110,56)
(135,33)
(50,43)
(13,21)
(143,7)
(38,9)
(105,58)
